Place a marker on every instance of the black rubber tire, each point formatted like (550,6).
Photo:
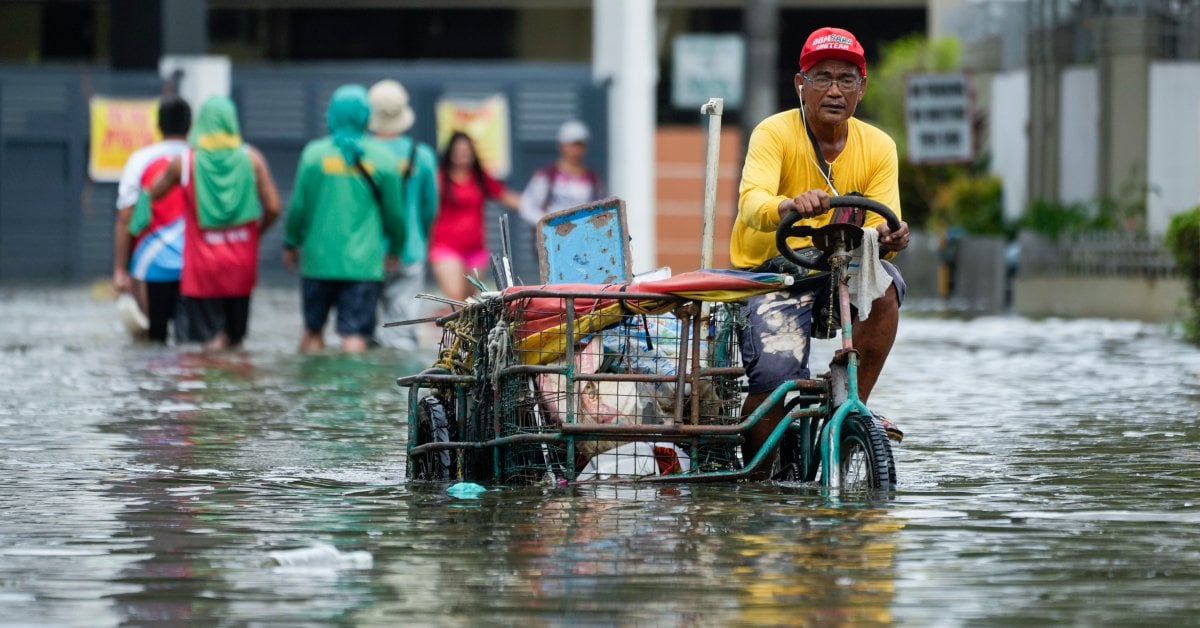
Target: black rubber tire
(436,424)
(866,456)
(789,465)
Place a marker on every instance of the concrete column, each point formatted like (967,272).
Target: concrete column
(1124,50)
(136,34)
(184,27)
(625,54)
(936,14)
(762,59)
(1049,51)
(142,31)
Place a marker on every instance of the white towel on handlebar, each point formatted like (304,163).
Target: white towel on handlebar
(868,279)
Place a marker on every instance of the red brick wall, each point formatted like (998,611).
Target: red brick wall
(680,194)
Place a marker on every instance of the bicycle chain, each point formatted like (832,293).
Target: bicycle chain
(831,305)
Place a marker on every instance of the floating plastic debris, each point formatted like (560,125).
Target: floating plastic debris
(466,490)
(321,556)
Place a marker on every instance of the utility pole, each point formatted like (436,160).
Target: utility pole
(624,53)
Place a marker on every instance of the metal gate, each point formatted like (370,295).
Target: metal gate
(55,224)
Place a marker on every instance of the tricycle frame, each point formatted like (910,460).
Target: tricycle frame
(809,402)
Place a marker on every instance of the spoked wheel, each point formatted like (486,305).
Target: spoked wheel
(436,423)
(866,456)
(790,464)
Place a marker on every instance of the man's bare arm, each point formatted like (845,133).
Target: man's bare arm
(167,179)
(268,193)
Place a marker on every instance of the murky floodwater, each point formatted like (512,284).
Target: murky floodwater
(1050,475)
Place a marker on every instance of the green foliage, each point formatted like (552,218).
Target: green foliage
(883,101)
(1183,240)
(883,106)
(973,203)
(918,186)
(1057,219)
(1124,212)
(1127,210)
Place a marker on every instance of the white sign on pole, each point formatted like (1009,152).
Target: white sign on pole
(707,66)
(939,118)
(199,76)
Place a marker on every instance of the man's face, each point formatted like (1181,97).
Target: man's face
(831,91)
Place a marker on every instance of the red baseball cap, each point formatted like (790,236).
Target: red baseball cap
(832,43)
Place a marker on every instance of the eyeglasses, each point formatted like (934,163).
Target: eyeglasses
(844,83)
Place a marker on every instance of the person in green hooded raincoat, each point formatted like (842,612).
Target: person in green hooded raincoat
(345,223)
(230,200)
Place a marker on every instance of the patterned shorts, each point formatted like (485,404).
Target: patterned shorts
(775,344)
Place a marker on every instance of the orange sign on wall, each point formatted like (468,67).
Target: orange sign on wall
(486,122)
(119,126)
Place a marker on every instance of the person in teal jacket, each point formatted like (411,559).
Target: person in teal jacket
(345,222)
(391,118)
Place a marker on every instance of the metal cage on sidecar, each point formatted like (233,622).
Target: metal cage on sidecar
(587,382)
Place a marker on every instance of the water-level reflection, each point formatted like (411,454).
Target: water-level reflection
(1049,475)
(661,556)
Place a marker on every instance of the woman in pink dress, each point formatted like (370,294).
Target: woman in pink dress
(458,241)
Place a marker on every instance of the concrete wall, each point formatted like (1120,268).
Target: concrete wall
(1172,142)
(679,185)
(980,275)
(1173,161)
(1150,300)
(920,265)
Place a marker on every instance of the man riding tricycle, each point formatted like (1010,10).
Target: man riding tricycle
(702,376)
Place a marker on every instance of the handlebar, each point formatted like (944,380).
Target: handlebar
(788,229)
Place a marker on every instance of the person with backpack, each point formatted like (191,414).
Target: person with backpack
(148,237)
(391,118)
(566,183)
(345,223)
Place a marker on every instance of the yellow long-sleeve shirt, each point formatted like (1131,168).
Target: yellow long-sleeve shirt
(781,164)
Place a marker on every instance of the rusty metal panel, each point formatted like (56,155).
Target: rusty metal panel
(585,244)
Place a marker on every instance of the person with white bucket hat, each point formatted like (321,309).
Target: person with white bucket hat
(392,117)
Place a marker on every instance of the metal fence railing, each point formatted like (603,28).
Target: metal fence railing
(1176,23)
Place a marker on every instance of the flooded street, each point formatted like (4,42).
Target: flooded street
(1050,474)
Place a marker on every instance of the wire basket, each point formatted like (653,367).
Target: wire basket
(600,386)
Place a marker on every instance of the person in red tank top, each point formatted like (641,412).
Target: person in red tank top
(458,242)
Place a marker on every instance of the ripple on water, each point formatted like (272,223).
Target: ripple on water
(1048,476)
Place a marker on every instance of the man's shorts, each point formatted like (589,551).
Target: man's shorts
(355,302)
(206,317)
(775,344)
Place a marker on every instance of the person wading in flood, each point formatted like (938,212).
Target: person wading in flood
(230,200)
(793,162)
